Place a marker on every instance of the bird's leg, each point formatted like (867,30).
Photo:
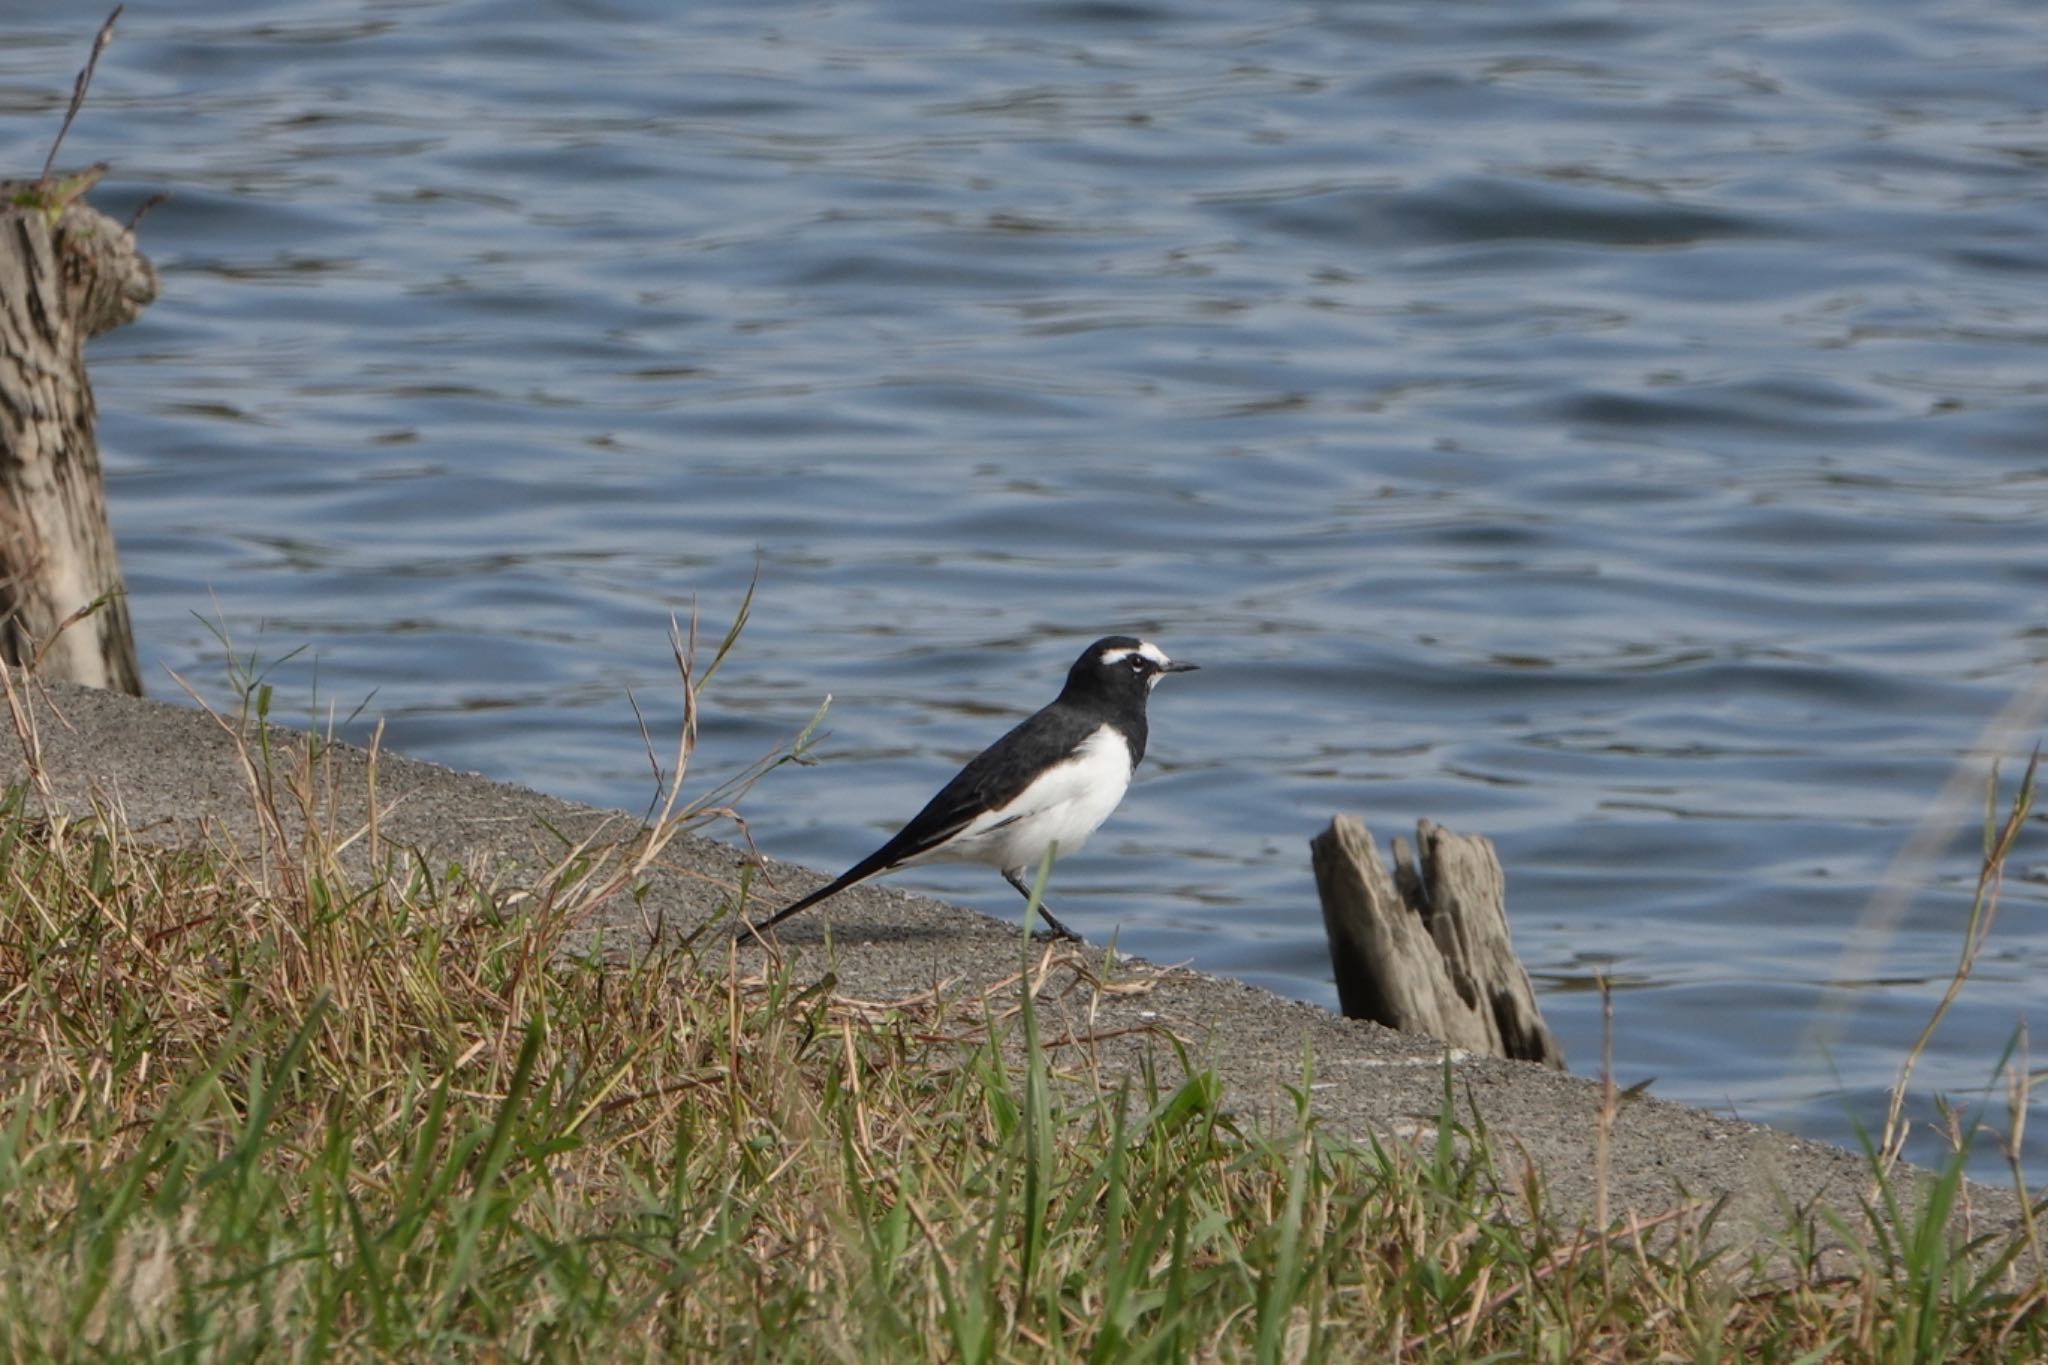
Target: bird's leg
(1015,877)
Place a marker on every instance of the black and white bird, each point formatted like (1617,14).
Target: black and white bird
(1051,781)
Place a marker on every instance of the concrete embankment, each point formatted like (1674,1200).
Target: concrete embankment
(170,770)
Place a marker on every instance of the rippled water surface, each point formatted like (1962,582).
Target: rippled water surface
(1620,430)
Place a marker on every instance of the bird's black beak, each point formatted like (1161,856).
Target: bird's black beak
(1179,668)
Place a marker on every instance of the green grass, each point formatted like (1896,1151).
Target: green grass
(319,1100)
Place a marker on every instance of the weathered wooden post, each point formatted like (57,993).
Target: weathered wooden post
(67,272)
(1426,950)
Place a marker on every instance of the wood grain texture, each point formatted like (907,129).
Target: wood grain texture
(60,282)
(1425,948)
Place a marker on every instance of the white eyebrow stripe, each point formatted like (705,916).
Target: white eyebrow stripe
(1144,649)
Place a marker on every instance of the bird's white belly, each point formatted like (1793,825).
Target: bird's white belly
(1064,806)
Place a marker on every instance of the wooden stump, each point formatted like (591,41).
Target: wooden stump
(1426,950)
(63,278)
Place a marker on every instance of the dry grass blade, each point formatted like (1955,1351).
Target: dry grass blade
(43,647)
(1999,838)
(78,89)
(1560,1261)
(1949,810)
(26,733)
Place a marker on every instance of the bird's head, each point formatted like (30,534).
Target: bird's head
(1122,665)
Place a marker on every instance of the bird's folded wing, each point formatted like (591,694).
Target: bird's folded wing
(988,787)
(986,793)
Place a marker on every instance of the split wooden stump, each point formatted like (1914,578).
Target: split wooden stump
(1426,949)
(67,272)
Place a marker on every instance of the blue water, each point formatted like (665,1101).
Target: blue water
(1616,429)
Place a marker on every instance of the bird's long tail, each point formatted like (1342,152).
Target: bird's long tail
(859,872)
